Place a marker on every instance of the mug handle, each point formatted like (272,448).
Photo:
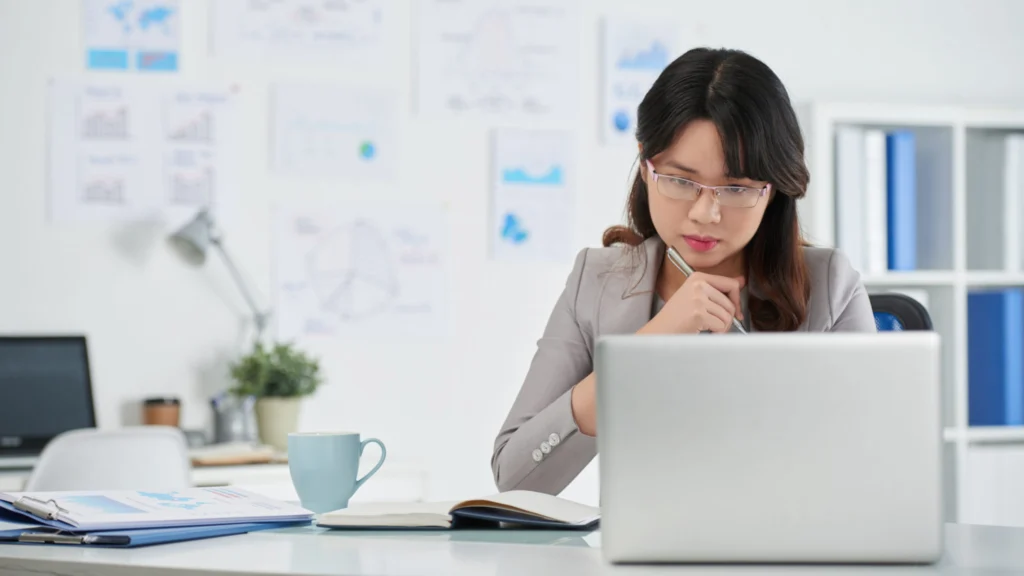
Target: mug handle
(383,454)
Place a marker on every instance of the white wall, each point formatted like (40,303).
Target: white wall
(437,403)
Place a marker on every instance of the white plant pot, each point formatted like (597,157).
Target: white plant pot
(277,417)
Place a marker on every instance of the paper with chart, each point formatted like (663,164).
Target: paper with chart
(197,150)
(633,56)
(127,509)
(142,35)
(532,195)
(125,151)
(335,131)
(498,57)
(346,270)
(297,30)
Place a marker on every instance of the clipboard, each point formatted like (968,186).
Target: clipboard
(32,521)
(136,510)
(43,535)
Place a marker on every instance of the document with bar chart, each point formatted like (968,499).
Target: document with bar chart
(195,142)
(98,154)
(126,151)
(532,195)
(633,56)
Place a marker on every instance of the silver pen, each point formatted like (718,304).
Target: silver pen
(676,259)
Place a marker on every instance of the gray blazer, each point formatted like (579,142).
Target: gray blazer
(539,446)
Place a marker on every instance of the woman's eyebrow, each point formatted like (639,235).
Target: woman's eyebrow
(680,167)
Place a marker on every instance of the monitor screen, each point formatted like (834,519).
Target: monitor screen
(45,389)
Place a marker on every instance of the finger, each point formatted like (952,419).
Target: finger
(728,286)
(720,299)
(716,318)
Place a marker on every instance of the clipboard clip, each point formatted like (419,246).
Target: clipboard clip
(54,537)
(62,537)
(48,509)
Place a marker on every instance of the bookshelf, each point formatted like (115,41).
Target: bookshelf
(967,239)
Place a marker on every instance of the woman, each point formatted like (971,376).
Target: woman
(721,167)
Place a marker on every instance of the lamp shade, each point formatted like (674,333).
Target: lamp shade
(194,238)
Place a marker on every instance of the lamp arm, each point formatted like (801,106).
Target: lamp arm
(259,317)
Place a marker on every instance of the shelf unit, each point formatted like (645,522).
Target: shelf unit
(956,252)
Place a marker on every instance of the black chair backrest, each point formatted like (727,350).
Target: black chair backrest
(894,311)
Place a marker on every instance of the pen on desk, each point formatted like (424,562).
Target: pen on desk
(685,268)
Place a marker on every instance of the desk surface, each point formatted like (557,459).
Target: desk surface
(975,550)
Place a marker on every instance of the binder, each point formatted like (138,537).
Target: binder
(132,538)
(901,209)
(876,217)
(995,338)
(143,518)
(88,511)
(17,526)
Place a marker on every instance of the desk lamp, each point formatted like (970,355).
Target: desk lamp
(193,241)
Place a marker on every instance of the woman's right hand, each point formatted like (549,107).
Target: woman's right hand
(704,302)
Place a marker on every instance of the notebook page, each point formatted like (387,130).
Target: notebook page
(388,509)
(546,505)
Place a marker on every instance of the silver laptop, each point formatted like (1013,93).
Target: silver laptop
(770,448)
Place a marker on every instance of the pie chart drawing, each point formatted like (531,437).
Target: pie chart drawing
(351,273)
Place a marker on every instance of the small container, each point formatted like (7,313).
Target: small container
(161,412)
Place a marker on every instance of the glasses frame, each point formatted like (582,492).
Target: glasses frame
(701,187)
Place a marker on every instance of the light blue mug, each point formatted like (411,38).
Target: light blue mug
(323,467)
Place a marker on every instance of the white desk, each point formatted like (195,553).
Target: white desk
(975,550)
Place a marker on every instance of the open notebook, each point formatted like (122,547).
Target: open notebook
(516,508)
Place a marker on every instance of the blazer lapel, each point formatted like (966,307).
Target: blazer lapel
(627,293)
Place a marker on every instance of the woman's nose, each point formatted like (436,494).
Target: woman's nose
(705,208)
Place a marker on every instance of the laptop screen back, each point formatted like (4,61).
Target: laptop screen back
(45,389)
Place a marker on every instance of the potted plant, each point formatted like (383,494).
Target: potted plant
(279,378)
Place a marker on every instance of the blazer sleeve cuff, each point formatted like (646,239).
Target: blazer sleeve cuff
(547,450)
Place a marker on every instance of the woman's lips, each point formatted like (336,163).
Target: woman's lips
(701,243)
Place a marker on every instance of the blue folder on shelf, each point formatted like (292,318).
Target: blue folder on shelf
(901,209)
(995,344)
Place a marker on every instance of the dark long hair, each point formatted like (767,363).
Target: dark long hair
(761,138)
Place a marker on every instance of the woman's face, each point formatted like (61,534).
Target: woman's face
(709,230)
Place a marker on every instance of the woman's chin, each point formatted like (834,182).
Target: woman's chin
(709,260)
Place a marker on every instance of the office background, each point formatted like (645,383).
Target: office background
(158,326)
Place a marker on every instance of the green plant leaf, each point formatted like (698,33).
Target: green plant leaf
(282,371)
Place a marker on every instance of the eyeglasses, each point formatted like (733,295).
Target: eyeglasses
(678,188)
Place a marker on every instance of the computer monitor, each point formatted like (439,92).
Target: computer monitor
(45,389)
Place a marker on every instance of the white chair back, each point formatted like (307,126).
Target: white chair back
(132,458)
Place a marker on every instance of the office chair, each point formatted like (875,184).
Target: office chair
(133,458)
(897,312)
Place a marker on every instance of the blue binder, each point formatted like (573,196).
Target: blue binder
(901,205)
(995,343)
(17,528)
(131,538)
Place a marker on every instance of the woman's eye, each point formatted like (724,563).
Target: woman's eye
(683,184)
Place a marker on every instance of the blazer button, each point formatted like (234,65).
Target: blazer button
(537,456)
(545,447)
(554,439)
